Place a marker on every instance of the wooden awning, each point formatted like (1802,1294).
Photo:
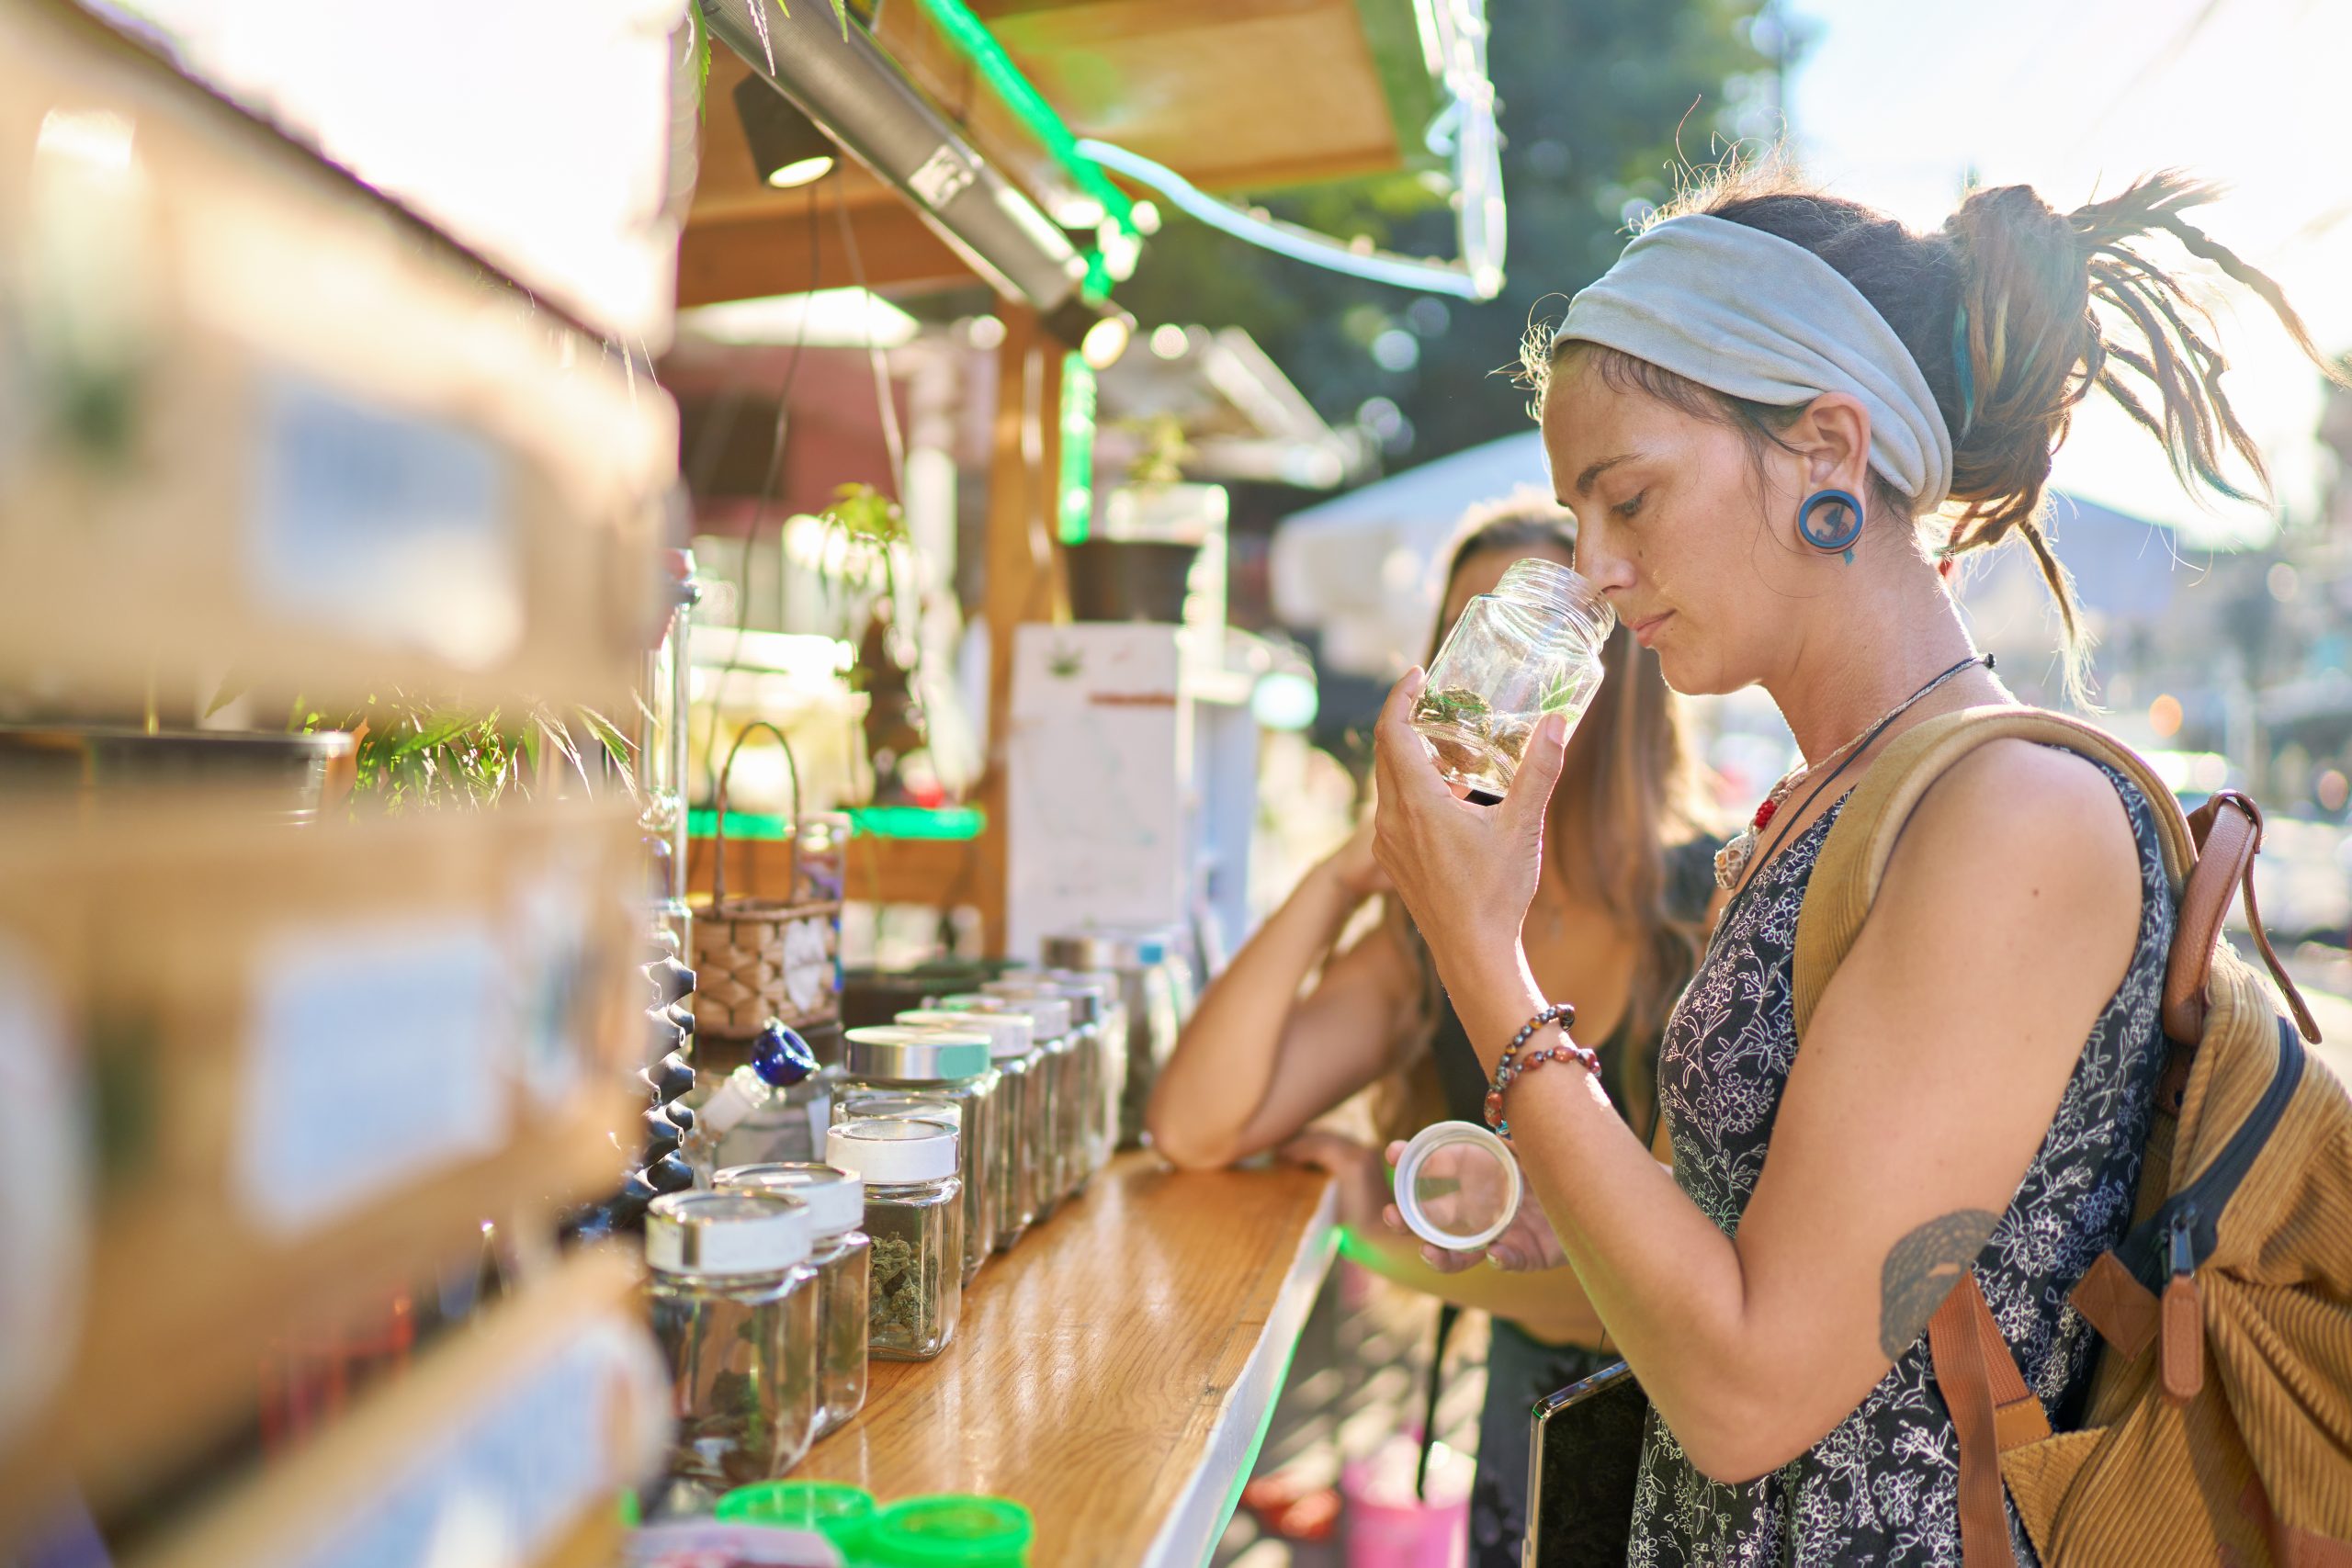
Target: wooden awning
(1234,95)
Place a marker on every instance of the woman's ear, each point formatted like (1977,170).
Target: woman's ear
(1833,438)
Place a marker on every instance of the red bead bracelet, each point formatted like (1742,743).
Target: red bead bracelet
(1511,1068)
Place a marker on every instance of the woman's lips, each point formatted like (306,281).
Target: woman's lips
(1645,629)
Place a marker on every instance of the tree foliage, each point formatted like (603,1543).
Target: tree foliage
(1601,103)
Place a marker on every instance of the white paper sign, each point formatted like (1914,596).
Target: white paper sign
(378,1052)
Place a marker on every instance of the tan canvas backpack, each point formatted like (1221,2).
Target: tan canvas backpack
(2219,1427)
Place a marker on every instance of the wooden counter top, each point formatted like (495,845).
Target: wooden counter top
(1116,1370)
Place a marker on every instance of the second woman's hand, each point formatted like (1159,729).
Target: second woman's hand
(1354,867)
(1526,1245)
(1466,874)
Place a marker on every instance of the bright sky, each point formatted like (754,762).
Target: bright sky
(1898,99)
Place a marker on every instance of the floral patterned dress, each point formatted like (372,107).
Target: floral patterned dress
(1883,1487)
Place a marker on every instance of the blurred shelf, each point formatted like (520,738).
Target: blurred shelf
(263,1078)
(509,1442)
(281,435)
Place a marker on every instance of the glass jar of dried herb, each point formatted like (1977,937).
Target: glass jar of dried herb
(1111,1024)
(1032,1112)
(1012,1043)
(841,1254)
(914,1211)
(944,1064)
(1077,1069)
(733,1302)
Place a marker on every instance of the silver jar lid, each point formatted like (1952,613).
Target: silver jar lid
(1095,981)
(888,1153)
(1009,1033)
(1084,1005)
(1119,951)
(1087,950)
(914,1056)
(737,1232)
(1113,947)
(836,1198)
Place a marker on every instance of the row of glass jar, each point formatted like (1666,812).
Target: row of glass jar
(1030,1070)
(954,1132)
(770,1291)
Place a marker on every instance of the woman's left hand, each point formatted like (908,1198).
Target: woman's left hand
(1466,874)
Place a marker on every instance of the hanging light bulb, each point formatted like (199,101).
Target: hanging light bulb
(787,149)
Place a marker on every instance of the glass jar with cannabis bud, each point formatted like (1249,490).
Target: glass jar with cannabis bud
(914,1212)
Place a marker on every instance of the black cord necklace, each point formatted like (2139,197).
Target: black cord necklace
(1869,736)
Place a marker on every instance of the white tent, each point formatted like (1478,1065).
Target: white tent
(1357,568)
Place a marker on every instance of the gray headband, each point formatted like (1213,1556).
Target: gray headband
(1754,316)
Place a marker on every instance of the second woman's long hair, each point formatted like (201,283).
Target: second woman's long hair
(1627,795)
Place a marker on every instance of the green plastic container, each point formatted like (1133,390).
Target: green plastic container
(838,1512)
(949,1531)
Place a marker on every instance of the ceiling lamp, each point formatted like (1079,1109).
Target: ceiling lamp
(787,149)
(1099,332)
(837,76)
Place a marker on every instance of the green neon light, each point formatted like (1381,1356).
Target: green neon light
(939,823)
(952,824)
(1076,511)
(971,36)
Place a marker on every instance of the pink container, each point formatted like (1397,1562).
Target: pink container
(1387,1526)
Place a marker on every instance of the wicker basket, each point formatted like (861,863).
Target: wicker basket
(757,959)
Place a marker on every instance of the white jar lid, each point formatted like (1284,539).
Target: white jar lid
(1009,1033)
(725,1233)
(1457,1186)
(886,1151)
(1051,1014)
(836,1199)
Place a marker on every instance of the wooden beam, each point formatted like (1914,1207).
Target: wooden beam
(1277,170)
(750,258)
(1023,578)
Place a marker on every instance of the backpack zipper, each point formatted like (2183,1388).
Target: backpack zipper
(2181,1234)
(2182,1242)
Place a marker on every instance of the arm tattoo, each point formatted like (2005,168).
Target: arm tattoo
(1920,1271)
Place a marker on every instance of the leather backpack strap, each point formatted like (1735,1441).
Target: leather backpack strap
(1992,1412)
(1992,1408)
(1853,858)
(2228,830)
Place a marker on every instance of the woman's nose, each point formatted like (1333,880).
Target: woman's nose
(1604,565)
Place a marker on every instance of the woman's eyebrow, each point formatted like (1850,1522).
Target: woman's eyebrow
(1593,471)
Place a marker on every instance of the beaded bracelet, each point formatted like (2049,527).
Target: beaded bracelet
(1511,1068)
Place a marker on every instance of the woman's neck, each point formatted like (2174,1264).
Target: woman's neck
(1877,649)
